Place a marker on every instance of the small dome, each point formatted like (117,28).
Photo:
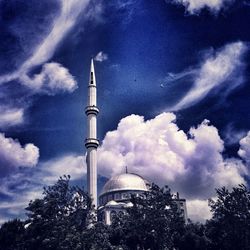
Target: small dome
(112,203)
(126,181)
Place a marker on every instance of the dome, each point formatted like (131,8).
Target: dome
(126,181)
(112,203)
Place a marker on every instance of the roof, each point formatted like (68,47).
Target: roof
(126,181)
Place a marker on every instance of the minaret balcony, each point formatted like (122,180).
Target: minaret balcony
(91,110)
(91,143)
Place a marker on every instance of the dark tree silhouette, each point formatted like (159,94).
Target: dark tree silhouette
(194,237)
(153,222)
(58,219)
(64,219)
(12,235)
(229,227)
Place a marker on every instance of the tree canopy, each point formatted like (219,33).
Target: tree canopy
(64,219)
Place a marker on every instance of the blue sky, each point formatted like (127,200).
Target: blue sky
(173,93)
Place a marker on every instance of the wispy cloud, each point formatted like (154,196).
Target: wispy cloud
(221,68)
(53,78)
(101,56)
(232,135)
(11,116)
(73,165)
(63,23)
(195,6)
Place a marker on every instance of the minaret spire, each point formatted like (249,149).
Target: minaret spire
(91,143)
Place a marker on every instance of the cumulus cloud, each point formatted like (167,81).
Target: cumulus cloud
(13,155)
(101,56)
(221,68)
(11,116)
(53,78)
(195,6)
(191,163)
(244,151)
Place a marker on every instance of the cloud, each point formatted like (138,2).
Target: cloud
(244,151)
(221,68)
(63,23)
(11,116)
(27,183)
(195,6)
(231,135)
(101,56)
(198,210)
(70,11)
(13,155)
(53,79)
(191,163)
(73,165)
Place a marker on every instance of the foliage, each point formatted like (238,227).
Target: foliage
(229,227)
(57,220)
(11,235)
(153,222)
(64,219)
(194,237)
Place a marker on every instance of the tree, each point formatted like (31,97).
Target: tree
(11,235)
(194,237)
(58,219)
(153,222)
(229,227)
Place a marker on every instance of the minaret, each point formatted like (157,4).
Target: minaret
(91,143)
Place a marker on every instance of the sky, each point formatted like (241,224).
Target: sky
(173,92)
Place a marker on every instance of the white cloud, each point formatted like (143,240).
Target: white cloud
(70,12)
(54,78)
(23,186)
(11,116)
(195,6)
(158,150)
(244,151)
(222,68)
(198,210)
(13,154)
(72,165)
(101,56)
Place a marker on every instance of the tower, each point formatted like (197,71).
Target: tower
(91,142)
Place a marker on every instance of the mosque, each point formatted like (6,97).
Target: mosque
(116,193)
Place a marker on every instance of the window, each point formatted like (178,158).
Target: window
(117,196)
(110,197)
(91,78)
